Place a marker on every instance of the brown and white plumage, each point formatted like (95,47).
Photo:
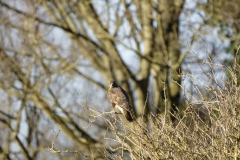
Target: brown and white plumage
(119,98)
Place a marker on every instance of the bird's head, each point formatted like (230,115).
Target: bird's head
(113,84)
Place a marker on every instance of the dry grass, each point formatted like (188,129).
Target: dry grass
(211,131)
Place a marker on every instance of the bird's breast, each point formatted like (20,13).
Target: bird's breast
(120,109)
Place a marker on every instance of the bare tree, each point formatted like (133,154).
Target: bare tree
(152,35)
(47,44)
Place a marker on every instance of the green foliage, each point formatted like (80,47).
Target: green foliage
(224,15)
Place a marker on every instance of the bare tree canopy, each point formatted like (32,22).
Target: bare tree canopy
(52,51)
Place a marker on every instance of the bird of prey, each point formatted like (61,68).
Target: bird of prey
(119,98)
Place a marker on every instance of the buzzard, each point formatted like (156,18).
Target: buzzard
(119,98)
